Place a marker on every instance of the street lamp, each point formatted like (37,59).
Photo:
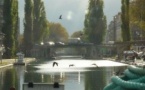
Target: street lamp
(1,45)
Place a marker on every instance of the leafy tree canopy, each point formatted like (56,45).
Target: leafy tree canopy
(137,13)
(57,33)
(95,22)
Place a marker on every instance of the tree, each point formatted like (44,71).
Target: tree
(125,20)
(77,34)
(15,20)
(10,27)
(40,24)
(137,14)
(28,27)
(57,33)
(95,22)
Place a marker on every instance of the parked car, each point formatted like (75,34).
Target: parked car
(141,55)
(130,55)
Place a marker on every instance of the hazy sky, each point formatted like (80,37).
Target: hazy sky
(111,8)
(72,11)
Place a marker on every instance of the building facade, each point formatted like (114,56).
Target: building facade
(113,33)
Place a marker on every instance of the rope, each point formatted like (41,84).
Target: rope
(133,79)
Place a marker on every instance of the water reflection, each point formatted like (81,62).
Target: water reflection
(73,78)
(80,78)
(20,76)
(8,78)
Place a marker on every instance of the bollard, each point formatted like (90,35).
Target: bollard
(12,88)
(20,57)
(30,85)
(56,85)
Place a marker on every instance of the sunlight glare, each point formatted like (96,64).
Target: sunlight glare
(66,65)
(69,15)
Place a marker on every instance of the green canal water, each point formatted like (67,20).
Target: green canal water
(73,78)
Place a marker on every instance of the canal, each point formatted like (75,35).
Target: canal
(75,74)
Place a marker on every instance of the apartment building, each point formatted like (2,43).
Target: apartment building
(114,29)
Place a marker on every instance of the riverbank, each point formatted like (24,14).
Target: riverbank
(10,62)
(137,62)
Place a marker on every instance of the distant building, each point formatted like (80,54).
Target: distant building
(114,29)
(110,32)
(118,23)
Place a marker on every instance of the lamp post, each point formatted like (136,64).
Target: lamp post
(1,45)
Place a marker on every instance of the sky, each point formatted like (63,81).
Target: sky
(72,11)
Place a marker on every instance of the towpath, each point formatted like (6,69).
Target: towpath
(9,62)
